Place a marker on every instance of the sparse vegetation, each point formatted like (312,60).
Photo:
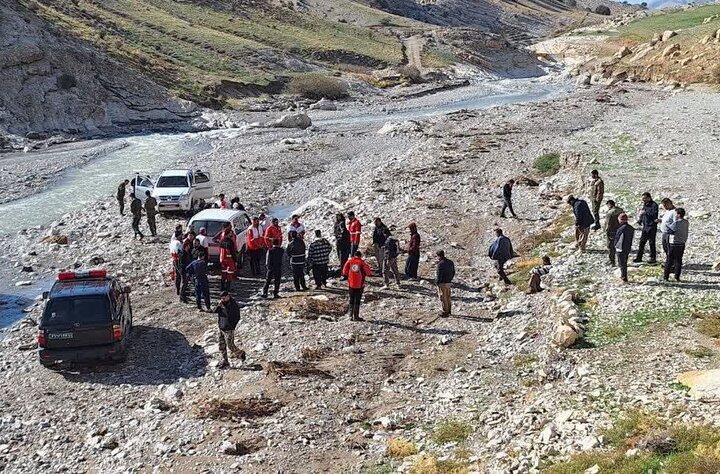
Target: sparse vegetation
(317,86)
(700,352)
(708,324)
(398,448)
(547,164)
(428,464)
(451,431)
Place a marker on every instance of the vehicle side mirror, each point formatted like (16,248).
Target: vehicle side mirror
(45,295)
(127,289)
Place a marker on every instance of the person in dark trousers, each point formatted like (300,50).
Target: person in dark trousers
(623,244)
(356,270)
(198,270)
(413,251)
(501,251)
(507,198)
(186,258)
(583,220)
(667,219)
(597,192)
(678,235)
(342,241)
(273,268)
(392,250)
(296,252)
(355,229)
(379,244)
(611,226)
(443,279)
(319,256)
(151,212)
(255,245)
(228,313)
(121,192)
(648,219)
(136,210)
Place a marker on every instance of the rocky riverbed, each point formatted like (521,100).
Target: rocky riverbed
(485,390)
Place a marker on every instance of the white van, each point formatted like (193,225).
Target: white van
(212,220)
(183,190)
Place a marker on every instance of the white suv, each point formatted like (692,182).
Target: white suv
(182,190)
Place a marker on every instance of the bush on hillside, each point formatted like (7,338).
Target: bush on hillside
(549,163)
(411,73)
(602,10)
(317,86)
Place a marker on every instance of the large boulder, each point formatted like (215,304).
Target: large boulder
(667,35)
(624,51)
(704,384)
(564,336)
(292,121)
(324,104)
(670,50)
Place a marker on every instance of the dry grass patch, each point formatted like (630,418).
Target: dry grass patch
(708,324)
(236,409)
(310,354)
(428,464)
(398,448)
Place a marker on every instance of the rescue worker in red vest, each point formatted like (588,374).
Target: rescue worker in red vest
(255,245)
(356,270)
(355,228)
(273,233)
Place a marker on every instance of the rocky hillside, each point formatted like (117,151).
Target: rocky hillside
(53,84)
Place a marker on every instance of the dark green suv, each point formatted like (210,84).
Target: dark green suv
(87,316)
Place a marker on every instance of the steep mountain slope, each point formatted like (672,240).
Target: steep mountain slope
(51,84)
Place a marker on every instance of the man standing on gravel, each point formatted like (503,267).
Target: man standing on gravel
(501,251)
(392,250)
(648,218)
(151,212)
(583,221)
(623,244)
(379,244)
(611,226)
(678,235)
(228,313)
(296,226)
(198,270)
(273,268)
(296,253)
(355,228)
(255,245)
(667,219)
(273,233)
(443,278)
(413,251)
(356,270)
(319,256)
(136,210)
(597,192)
(342,241)
(507,198)
(121,191)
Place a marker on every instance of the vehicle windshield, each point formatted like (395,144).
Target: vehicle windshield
(211,227)
(77,309)
(173,182)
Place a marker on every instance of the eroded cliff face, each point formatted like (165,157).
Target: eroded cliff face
(54,85)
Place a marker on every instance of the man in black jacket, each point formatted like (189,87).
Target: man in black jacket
(649,221)
(507,198)
(443,278)
(583,220)
(296,252)
(319,257)
(342,241)
(379,244)
(273,268)
(623,244)
(136,210)
(228,313)
(120,195)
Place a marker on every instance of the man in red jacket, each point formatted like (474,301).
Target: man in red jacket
(356,270)
(273,233)
(255,245)
(355,228)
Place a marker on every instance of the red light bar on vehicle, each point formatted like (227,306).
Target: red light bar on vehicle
(81,275)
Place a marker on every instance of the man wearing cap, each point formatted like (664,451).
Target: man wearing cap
(623,244)
(443,279)
(228,313)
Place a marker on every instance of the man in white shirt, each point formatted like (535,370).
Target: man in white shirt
(203,238)
(297,226)
(667,219)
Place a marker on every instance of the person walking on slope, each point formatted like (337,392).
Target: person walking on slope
(443,279)
(583,221)
(648,219)
(355,228)
(198,270)
(228,313)
(379,243)
(342,241)
(501,251)
(597,192)
(356,270)
(611,226)
(255,245)
(136,210)
(678,235)
(151,212)
(507,198)
(667,219)
(623,244)
(296,253)
(319,256)
(392,250)
(536,275)
(228,251)
(121,192)
(413,251)
(273,269)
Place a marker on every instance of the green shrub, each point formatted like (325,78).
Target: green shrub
(549,163)
(317,86)
(451,431)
